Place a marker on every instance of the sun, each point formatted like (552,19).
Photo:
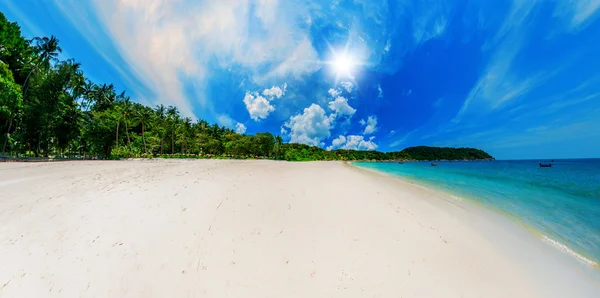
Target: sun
(343,65)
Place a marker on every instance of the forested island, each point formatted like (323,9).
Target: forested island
(48,108)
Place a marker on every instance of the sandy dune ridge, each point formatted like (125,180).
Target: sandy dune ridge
(219,228)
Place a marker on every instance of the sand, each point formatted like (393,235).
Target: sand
(218,228)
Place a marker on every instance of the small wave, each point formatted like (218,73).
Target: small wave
(569,251)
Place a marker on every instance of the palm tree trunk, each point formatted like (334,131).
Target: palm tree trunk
(7,134)
(182,145)
(144,139)
(27,80)
(127,133)
(172,143)
(117,137)
(162,144)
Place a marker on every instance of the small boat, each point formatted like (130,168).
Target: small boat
(545,165)
(434,164)
(401,162)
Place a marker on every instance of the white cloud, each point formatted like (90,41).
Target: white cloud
(401,140)
(579,12)
(388,45)
(310,127)
(225,120)
(379,91)
(498,84)
(334,92)
(240,128)
(352,142)
(338,142)
(362,122)
(258,106)
(348,86)
(275,91)
(341,107)
(371,125)
(430,22)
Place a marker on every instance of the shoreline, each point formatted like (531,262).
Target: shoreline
(579,257)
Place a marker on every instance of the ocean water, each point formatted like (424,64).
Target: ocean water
(561,204)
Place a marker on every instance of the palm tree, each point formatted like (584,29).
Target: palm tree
(161,115)
(173,116)
(122,111)
(143,117)
(117,116)
(104,96)
(88,89)
(186,127)
(127,113)
(203,125)
(48,50)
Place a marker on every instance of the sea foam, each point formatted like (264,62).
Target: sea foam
(570,252)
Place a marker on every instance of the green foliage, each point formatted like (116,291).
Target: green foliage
(11,104)
(301,152)
(437,153)
(5,72)
(49,108)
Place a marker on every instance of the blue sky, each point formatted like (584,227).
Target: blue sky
(519,79)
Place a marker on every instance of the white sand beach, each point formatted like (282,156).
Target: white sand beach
(219,228)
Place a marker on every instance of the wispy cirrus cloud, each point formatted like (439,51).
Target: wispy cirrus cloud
(498,83)
(578,12)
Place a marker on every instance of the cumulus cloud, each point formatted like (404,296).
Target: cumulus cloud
(275,91)
(340,107)
(353,142)
(338,142)
(379,91)
(371,125)
(310,127)
(334,92)
(348,86)
(259,105)
(240,128)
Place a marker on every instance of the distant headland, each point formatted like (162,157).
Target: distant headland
(301,152)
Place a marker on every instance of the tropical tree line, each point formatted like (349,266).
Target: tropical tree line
(301,152)
(48,108)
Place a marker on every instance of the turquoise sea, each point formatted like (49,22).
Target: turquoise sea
(561,203)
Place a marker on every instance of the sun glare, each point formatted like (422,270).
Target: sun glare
(343,65)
